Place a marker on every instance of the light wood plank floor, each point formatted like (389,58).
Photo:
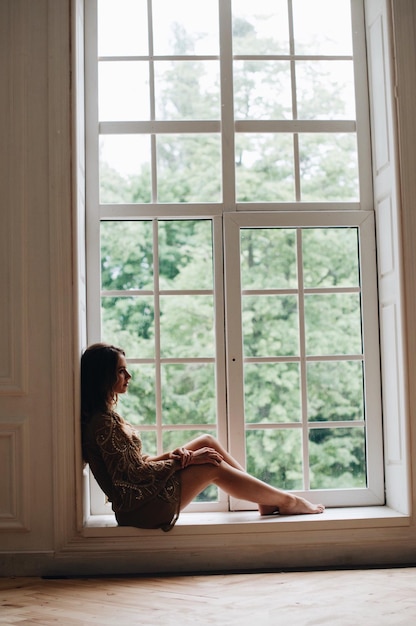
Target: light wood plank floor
(351,598)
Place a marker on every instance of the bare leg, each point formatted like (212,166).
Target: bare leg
(208,441)
(243,486)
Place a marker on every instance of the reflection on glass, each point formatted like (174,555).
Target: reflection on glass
(137,406)
(262,90)
(126,255)
(335,391)
(271,393)
(122,28)
(128,322)
(270,325)
(275,456)
(125,169)
(187,326)
(337,458)
(268,258)
(264,167)
(330,257)
(188,393)
(185,28)
(325,90)
(185,254)
(182,165)
(123,91)
(322,27)
(329,167)
(262,31)
(333,324)
(196,92)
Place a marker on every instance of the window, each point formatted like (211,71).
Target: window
(231,238)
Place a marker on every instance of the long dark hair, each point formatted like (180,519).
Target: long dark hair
(98,377)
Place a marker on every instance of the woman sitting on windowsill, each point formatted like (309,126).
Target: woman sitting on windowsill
(150,491)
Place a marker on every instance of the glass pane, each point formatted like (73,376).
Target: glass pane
(187,326)
(188,394)
(189,168)
(330,257)
(275,456)
(184,27)
(262,90)
(333,324)
(126,255)
(329,167)
(325,90)
(264,30)
(268,258)
(322,27)
(125,169)
(123,91)
(337,458)
(128,322)
(335,391)
(138,405)
(122,27)
(185,254)
(264,167)
(149,443)
(270,325)
(187,90)
(272,392)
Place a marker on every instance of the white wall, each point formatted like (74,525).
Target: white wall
(40,507)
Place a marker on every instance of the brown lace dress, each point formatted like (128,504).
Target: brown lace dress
(143,493)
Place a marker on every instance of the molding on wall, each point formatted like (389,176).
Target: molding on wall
(15,477)
(13,163)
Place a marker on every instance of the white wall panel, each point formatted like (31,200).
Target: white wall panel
(14,476)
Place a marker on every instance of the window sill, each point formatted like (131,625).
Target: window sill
(250,522)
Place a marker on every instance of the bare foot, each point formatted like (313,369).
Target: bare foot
(295,506)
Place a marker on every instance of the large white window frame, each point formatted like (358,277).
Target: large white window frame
(229,204)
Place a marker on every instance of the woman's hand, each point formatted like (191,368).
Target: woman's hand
(196,457)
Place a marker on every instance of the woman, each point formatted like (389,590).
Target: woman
(149,492)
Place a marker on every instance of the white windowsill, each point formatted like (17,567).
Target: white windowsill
(251,522)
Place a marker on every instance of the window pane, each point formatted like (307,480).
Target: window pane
(262,90)
(330,257)
(322,26)
(262,31)
(187,90)
(185,254)
(337,458)
(187,326)
(184,27)
(333,324)
(122,27)
(268,248)
(189,168)
(138,405)
(329,167)
(126,255)
(270,325)
(149,442)
(128,322)
(325,90)
(271,392)
(188,394)
(125,169)
(335,391)
(275,456)
(264,167)
(123,92)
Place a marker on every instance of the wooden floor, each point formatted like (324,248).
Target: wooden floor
(351,598)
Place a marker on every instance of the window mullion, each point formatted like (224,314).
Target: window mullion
(227,106)
(303,364)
